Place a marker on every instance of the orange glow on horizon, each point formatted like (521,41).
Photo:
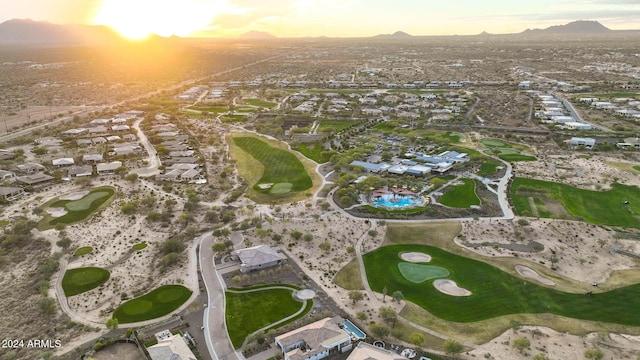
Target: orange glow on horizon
(139,19)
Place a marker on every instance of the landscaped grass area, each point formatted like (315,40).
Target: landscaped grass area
(83,251)
(279,166)
(253,309)
(260,103)
(461,196)
(416,91)
(494,292)
(336,125)
(597,207)
(155,304)
(253,170)
(313,151)
(77,281)
(232,118)
(215,110)
(488,168)
(139,246)
(637,167)
(507,152)
(77,210)
(4,223)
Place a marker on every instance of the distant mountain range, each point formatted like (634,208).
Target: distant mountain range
(576,27)
(395,35)
(256,35)
(29,32)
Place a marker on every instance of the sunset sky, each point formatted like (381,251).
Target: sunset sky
(339,18)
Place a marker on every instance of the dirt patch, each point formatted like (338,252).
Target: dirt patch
(450,287)
(415,257)
(119,352)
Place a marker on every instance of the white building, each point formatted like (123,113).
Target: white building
(578,126)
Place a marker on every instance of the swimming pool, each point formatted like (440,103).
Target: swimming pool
(397,201)
(350,327)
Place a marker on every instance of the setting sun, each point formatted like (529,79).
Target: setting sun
(141,18)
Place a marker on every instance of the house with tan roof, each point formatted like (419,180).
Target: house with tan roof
(315,341)
(366,351)
(170,347)
(258,257)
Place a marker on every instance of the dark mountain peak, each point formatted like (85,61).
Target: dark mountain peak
(395,35)
(575,27)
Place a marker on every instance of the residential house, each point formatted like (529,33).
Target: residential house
(588,143)
(7,154)
(75,132)
(170,347)
(8,176)
(258,257)
(84,142)
(80,171)
(30,168)
(62,162)
(108,168)
(113,138)
(11,193)
(92,158)
(98,130)
(574,125)
(126,149)
(315,341)
(129,137)
(366,351)
(35,180)
(120,128)
(99,122)
(99,140)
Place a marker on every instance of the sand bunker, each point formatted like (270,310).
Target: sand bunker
(532,274)
(75,195)
(450,287)
(56,212)
(415,257)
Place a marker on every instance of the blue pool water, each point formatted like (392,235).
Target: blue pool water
(349,326)
(397,202)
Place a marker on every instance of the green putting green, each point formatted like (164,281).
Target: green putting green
(419,273)
(281,188)
(157,303)
(85,202)
(494,292)
(78,210)
(83,251)
(77,281)
(139,246)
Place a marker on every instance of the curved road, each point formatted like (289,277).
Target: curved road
(153,159)
(215,328)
